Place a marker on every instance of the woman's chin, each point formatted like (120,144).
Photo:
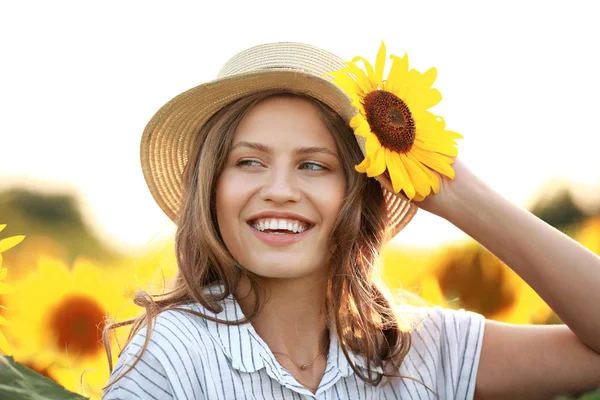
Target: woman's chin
(284,269)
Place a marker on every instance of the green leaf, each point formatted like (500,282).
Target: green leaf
(17,382)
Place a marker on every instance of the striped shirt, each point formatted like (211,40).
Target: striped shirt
(189,357)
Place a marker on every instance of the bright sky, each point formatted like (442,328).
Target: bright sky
(79,81)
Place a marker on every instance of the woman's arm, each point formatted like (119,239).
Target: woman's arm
(564,273)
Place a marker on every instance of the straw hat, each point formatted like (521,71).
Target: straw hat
(169,136)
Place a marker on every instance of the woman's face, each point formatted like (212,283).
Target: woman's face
(281,190)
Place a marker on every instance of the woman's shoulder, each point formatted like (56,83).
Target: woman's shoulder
(444,326)
(445,347)
(157,360)
(438,317)
(175,327)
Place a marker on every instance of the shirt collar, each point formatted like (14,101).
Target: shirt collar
(249,353)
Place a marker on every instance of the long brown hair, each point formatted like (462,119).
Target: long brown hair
(360,306)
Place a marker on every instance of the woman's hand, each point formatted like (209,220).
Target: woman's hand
(442,203)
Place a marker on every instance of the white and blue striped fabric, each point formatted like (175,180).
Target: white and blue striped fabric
(189,358)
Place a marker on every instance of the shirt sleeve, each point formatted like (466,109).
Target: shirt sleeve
(146,380)
(448,342)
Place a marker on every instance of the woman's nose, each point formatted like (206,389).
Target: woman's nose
(280,186)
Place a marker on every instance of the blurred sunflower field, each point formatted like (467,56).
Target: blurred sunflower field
(60,285)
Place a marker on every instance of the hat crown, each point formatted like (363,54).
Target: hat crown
(283,55)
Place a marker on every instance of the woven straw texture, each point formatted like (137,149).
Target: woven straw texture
(168,137)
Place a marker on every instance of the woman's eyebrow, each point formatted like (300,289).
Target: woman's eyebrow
(314,149)
(267,149)
(253,145)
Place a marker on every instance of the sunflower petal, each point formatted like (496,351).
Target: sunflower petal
(417,176)
(380,65)
(408,187)
(347,84)
(453,135)
(397,73)
(430,98)
(362,167)
(392,160)
(372,144)
(437,146)
(428,120)
(434,180)
(2,226)
(429,76)
(357,104)
(377,167)
(10,242)
(408,86)
(438,162)
(418,198)
(362,79)
(356,121)
(363,129)
(368,67)
(419,99)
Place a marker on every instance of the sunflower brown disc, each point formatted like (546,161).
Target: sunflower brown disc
(75,324)
(390,120)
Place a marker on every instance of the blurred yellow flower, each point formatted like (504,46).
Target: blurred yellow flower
(471,277)
(5,244)
(58,316)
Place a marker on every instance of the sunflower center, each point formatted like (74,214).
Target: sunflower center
(77,323)
(390,120)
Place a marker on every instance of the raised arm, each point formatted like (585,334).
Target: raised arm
(520,360)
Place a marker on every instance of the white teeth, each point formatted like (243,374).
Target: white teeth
(279,224)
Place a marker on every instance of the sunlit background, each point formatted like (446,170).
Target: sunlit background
(79,81)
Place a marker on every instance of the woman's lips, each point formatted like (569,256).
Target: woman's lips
(279,239)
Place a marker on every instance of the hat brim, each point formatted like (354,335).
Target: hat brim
(169,135)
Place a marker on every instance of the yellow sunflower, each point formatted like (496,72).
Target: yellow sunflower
(5,244)
(401,136)
(471,277)
(411,274)
(58,315)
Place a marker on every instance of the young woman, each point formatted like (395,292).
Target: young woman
(278,237)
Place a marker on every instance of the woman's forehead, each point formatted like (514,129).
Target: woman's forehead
(285,122)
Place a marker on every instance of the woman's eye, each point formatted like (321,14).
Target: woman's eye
(248,163)
(312,166)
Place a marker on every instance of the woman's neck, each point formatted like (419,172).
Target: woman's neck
(293,320)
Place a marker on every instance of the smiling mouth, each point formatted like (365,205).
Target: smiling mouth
(278,226)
